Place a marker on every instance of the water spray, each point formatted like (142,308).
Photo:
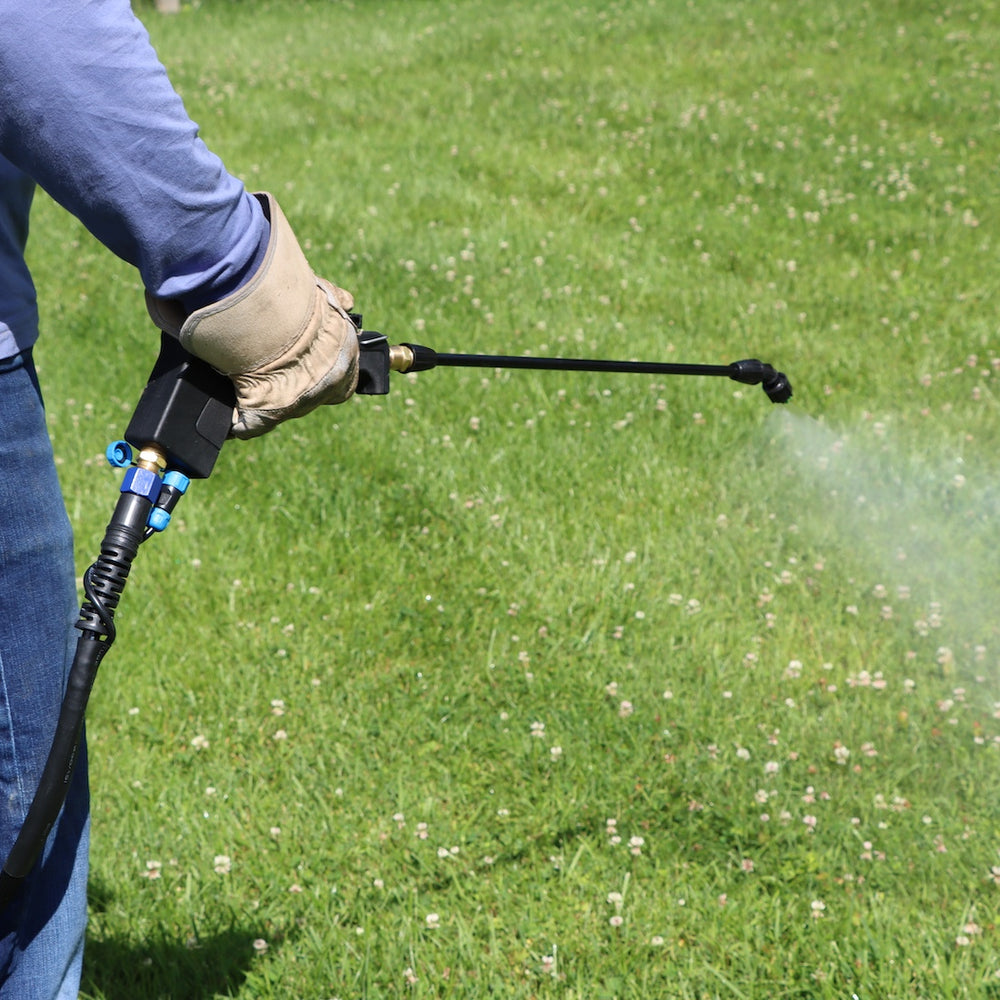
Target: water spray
(179,426)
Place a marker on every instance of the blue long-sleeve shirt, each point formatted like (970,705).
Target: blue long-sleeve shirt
(88,113)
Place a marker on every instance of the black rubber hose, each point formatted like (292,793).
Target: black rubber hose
(103,586)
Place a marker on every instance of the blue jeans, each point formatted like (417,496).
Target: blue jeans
(42,929)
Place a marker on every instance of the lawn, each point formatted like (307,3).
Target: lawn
(565,685)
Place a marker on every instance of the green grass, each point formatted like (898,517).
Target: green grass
(449,651)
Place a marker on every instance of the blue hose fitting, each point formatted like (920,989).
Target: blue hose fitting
(175,485)
(142,482)
(177,480)
(158,519)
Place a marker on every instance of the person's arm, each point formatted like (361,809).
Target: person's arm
(87,110)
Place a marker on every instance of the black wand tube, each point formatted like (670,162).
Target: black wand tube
(417,358)
(424,358)
(103,586)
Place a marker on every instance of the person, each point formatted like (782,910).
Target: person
(87,113)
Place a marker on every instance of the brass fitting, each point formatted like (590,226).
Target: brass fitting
(400,358)
(152,459)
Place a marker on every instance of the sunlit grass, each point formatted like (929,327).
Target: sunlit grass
(535,684)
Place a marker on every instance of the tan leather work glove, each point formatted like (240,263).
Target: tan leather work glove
(284,338)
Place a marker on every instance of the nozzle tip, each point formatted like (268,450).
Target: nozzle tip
(778,388)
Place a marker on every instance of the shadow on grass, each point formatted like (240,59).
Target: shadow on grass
(163,965)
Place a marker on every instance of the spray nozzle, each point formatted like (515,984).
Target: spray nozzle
(753,372)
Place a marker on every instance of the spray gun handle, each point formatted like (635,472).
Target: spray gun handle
(187,406)
(186,409)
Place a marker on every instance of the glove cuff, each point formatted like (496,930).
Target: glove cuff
(261,320)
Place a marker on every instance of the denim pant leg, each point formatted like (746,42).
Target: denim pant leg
(42,929)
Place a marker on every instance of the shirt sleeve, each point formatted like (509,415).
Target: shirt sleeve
(87,111)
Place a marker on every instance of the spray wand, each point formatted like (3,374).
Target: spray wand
(378,358)
(175,435)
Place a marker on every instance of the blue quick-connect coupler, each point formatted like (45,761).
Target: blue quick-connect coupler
(158,519)
(177,480)
(175,485)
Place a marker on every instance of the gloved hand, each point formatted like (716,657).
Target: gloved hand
(284,338)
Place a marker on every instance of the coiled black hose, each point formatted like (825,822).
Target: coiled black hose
(103,585)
